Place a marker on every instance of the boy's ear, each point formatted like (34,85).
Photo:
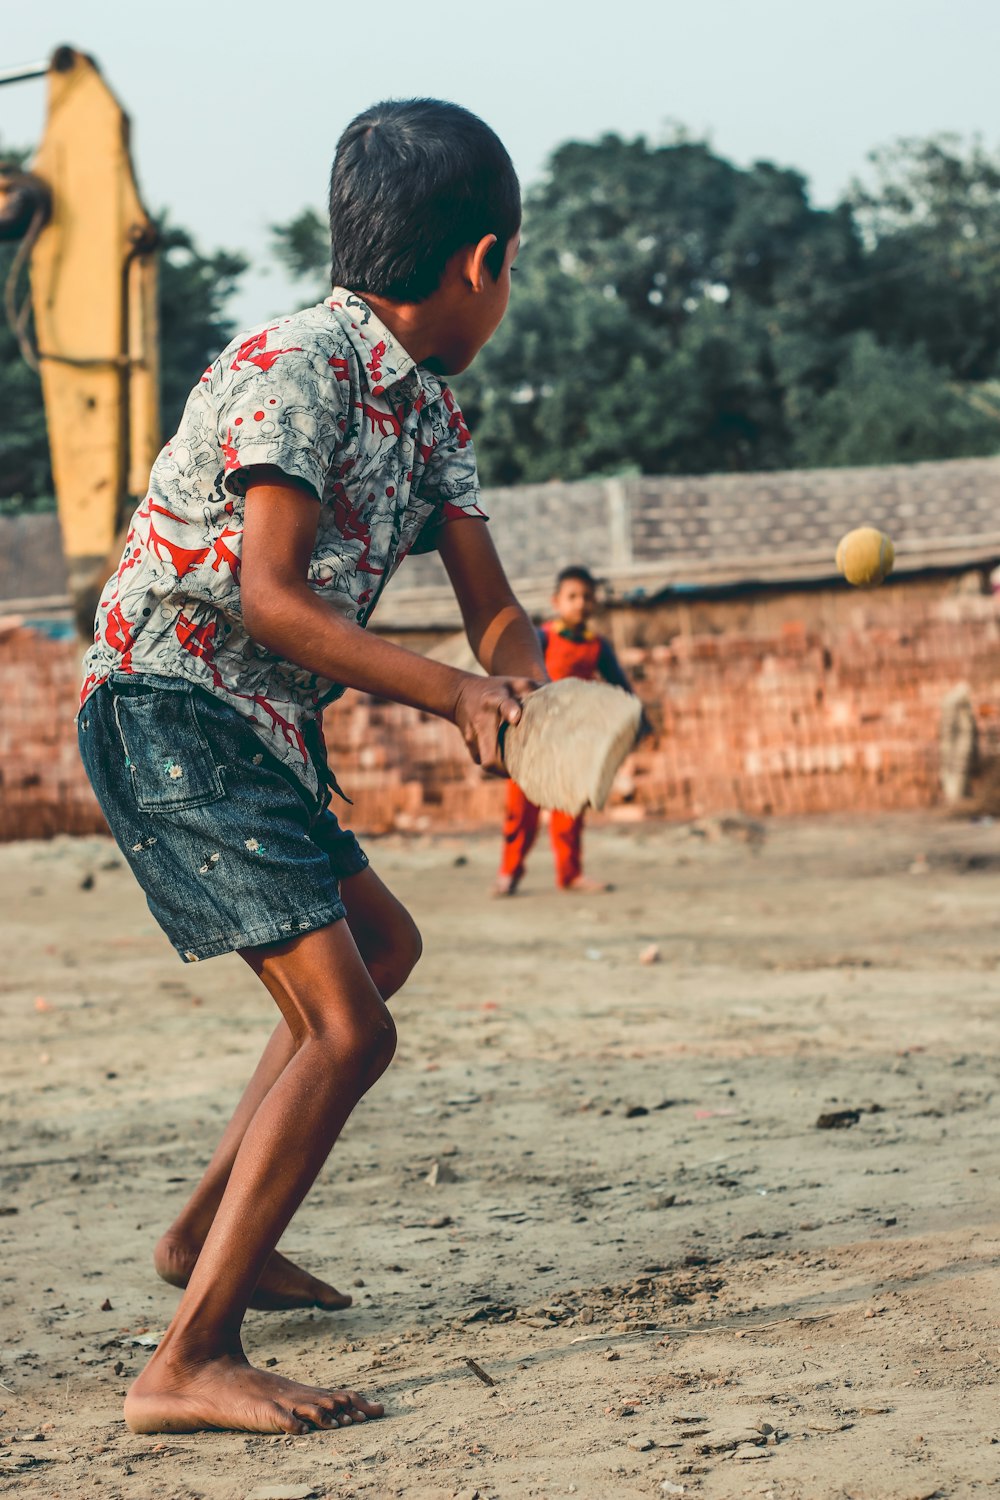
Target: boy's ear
(477,269)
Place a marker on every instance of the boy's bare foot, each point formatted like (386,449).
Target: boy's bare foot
(228,1393)
(283,1285)
(505,885)
(583,885)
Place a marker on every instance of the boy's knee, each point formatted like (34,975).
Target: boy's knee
(371,1045)
(410,948)
(393,965)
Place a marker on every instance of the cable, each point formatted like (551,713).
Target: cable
(19,318)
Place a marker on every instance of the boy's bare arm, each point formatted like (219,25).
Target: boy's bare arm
(500,633)
(283,614)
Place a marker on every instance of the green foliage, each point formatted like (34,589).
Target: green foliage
(931,218)
(302,246)
(892,405)
(670,312)
(194,292)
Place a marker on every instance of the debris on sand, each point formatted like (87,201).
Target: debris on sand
(440,1172)
(283,1492)
(735,826)
(838,1119)
(478,1371)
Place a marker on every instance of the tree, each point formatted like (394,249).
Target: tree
(303,248)
(929,213)
(892,405)
(195,291)
(672,316)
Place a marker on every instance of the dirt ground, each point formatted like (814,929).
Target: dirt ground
(675,1281)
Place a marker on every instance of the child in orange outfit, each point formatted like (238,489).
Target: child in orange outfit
(571,649)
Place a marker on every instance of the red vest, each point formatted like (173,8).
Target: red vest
(566,658)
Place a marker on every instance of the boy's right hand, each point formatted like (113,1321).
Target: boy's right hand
(482,706)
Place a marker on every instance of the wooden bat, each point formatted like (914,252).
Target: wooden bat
(570,740)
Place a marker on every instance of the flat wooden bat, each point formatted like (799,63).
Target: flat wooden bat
(570,740)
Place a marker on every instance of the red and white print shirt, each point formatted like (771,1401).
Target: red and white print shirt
(330,397)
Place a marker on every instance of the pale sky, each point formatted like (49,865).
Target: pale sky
(236,109)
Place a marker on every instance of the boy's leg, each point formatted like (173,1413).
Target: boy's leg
(344,1039)
(389,943)
(566,833)
(520,828)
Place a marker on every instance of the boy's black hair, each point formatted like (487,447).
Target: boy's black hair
(576,573)
(413,181)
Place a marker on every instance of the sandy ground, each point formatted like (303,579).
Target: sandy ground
(677,1282)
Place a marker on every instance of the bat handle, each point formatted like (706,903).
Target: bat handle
(501,739)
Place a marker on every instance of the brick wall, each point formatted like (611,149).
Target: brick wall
(806,702)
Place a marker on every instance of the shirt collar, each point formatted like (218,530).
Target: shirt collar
(385,361)
(572,632)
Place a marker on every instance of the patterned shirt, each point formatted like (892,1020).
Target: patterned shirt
(329,397)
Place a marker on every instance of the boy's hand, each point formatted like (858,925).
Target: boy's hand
(482,705)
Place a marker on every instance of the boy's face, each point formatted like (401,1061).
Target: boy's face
(475,316)
(574,601)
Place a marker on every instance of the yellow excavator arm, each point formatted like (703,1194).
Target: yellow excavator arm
(93,270)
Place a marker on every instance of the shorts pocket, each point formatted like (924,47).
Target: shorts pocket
(168,756)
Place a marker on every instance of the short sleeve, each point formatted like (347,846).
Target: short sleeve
(279,406)
(450,481)
(610,668)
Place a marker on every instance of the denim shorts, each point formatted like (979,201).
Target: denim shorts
(230,848)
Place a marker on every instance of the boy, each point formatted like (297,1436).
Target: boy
(310,459)
(571,649)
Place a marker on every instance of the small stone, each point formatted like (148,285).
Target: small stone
(440,1172)
(640,1444)
(358,1281)
(106,1305)
(282,1492)
(650,955)
(635,1110)
(271,1362)
(611,1354)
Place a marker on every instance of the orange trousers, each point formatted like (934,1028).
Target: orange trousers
(520,829)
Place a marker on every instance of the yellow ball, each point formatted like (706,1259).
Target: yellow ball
(865,557)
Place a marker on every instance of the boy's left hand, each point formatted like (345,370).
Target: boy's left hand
(482,706)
